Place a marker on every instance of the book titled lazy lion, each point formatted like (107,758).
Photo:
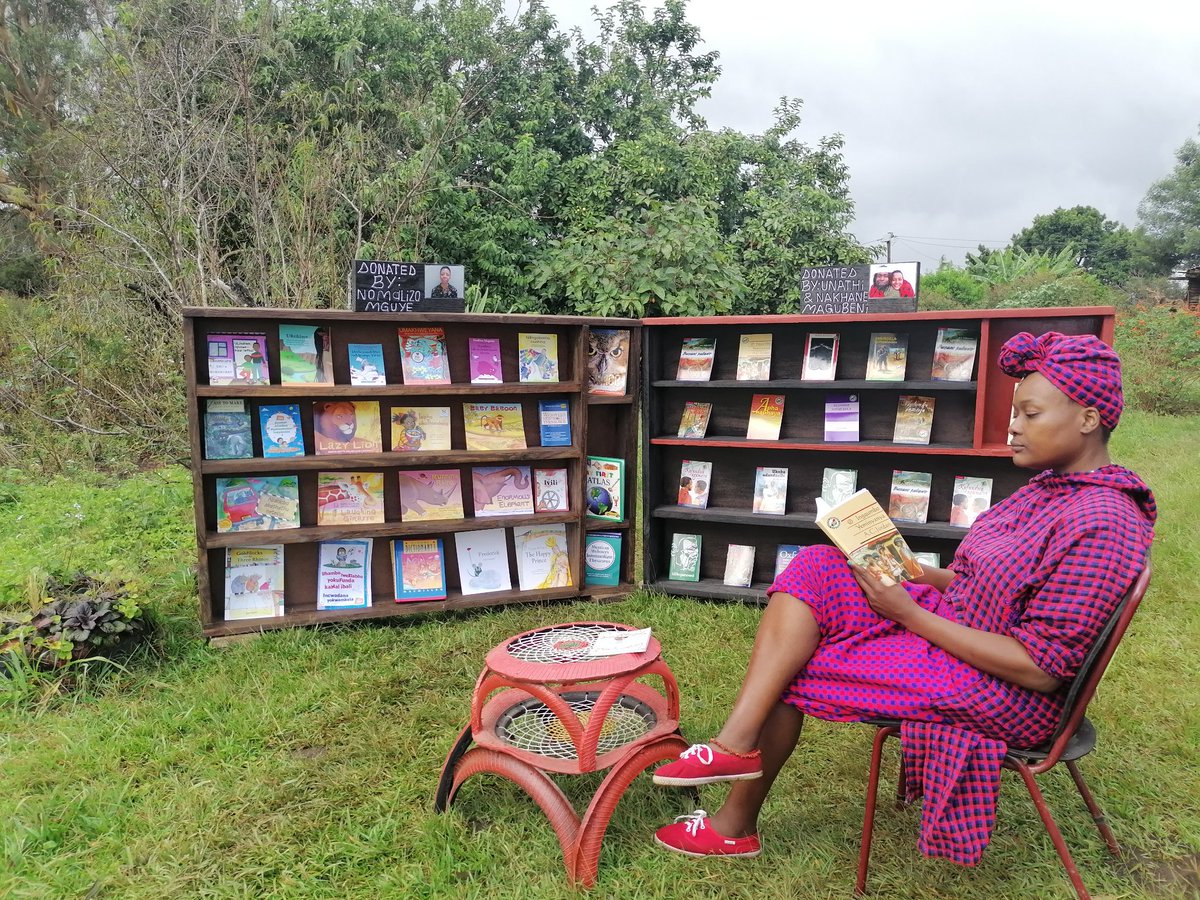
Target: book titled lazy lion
(483,561)
(604,488)
(862,530)
(347,426)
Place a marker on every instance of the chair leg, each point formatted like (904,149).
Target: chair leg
(1097,814)
(1052,829)
(864,851)
(901,788)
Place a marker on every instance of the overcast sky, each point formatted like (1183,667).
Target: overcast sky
(962,123)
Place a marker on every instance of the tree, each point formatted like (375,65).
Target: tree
(1100,245)
(1170,212)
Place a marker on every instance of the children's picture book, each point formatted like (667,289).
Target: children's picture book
(861,529)
(305,355)
(766,417)
(537,357)
(550,491)
(693,423)
(420,429)
(820,357)
(841,417)
(484,356)
(281,434)
(604,488)
(366,364)
(347,426)
(914,419)
(227,430)
(696,359)
(754,358)
(254,582)
(971,497)
(419,569)
(608,361)
(954,354)
(554,422)
(542,558)
(784,554)
(238,359)
(344,574)
(349,498)
(264,503)
(837,485)
(602,558)
(739,565)
(925,558)
(423,357)
(502,490)
(770,490)
(887,356)
(695,477)
(909,500)
(482,561)
(428,494)
(494,426)
(685,557)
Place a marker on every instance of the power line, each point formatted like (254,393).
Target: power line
(918,237)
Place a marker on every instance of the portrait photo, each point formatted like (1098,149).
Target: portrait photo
(894,280)
(444,282)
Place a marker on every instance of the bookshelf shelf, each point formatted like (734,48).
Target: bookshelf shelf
(738,516)
(849,384)
(374,392)
(849,447)
(423,460)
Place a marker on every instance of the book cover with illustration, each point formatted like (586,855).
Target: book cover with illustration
(238,359)
(482,561)
(693,422)
(685,557)
(484,355)
(366,364)
(419,569)
(344,574)
(754,358)
(954,354)
(608,361)
(739,565)
(604,488)
(862,530)
(770,490)
(417,429)
(841,417)
(909,500)
(971,497)
(254,582)
(264,503)
(838,485)
(281,434)
(550,491)
(554,423)
(494,426)
(305,355)
(537,357)
(766,417)
(429,494)
(887,356)
(784,554)
(349,498)
(227,430)
(347,426)
(696,359)
(542,558)
(423,357)
(914,419)
(502,490)
(695,479)
(602,558)
(820,357)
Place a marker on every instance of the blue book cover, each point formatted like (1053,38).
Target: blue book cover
(602,558)
(366,364)
(419,567)
(281,433)
(227,430)
(784,556)
(554,418)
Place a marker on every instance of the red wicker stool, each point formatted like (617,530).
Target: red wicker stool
(558,711)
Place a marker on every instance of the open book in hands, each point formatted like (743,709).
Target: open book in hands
(861,529)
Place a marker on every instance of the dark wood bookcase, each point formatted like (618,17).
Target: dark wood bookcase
(969,433)
(601,425)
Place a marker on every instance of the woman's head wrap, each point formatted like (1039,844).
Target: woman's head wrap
(1080,365)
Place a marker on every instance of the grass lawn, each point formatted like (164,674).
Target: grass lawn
(304,763)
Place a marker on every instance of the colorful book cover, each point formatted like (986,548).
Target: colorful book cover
(695,478)
(484,354)
(254,582)
(366,364)
(909,500)
(608,361)
(554,422)
(238,359)
(482,561)
(494,426)
(926,558)
(861,530)
(954,354)
(914,419)
(739,565)
(696,359)
(770,490)
(550,491)
(417,429)
(227,430)
(754,358)
(257,504)
(820,357)
(685,557)
(349,498)
(344,574)
(838,485)
(281,434)
(693,423)
(428,494)
(605,488)
(347,426)
(971,497)
(602,558)
(784,554)
(502,490)
(766,417)
(887,356)
(542,558)
(841,417)
(423,355)
(305,355)
(419,569)
(537,357)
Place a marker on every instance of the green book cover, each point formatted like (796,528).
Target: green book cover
(605,488)
(685,557)
(602,558)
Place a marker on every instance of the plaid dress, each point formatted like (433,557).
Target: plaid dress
(1047,565)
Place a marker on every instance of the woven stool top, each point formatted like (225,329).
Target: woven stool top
(560,653)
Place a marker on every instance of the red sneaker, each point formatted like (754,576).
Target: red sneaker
(691,835)
(701,764)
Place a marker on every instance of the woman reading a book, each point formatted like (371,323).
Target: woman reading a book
(973,657)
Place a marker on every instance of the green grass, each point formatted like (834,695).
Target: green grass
(303,763)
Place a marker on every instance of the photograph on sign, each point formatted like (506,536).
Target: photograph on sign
(444,282)
(384,286)
(894,280)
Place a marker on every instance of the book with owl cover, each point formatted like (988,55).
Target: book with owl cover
(281,434)
(305,355)
(537,357)
(604,488)
(238,359)
(494,426)
(554,422)
(608,361)
(766,417)
(430,494)
(347,426)
(693,422)
(419,570)
(344,574)
(502,490)
(542,558)
(754,358)
(550,491)
(227,430)
(257,504)
(254,582)
(484,354)
(349,498)
(423,357)
(482,561)
(417,429)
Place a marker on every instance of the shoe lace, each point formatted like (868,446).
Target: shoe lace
(695,821)
(700,751)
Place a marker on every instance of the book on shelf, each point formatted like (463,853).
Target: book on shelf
(423,358)
(685,557)
(346,426)
(420,429)
(264,503)
(604,488)
(493,426)
(766,417)
(608,361)
(971,497)
(926,558)
(837,485)
(693,423)
(862,530)
(909,499)
(502,490)
(430,494)
(784,554)
(349,498)
(482,561)
(537,357)
(550,491)
(419,569)
(542,558)
(770,490)
(820,357)
(238,359)
(695,478)
(841,417)
(954,354)
(254,582)
(602,558)
(227,430)
(914,419)
(887,356)
(484,354)
(554,422)
(696,357)
(739,565)
(344,574)
(366,364)
(305,355)
(754,358)
(280,427)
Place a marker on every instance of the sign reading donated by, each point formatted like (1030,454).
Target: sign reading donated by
(397,287)
(847,290)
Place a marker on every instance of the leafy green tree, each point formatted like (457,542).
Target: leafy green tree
(1105,248)
(1170,212)
(952,288)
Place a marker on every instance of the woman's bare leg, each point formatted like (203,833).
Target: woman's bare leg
(738,816)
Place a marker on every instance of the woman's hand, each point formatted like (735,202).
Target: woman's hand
(889,601)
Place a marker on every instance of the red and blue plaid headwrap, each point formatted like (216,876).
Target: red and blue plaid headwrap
(1080,365)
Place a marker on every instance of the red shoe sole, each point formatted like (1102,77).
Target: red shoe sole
(668,781)
(748,854)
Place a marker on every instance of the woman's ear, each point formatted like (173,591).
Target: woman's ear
(1091,420)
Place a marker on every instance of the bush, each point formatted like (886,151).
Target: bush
(1160,355)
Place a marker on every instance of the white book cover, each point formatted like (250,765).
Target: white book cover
(820,357)
(344,575)
(482,561)
(971,497)
(550,491)
(838,485)
(542,558)
(739,565)
(770,490)
(254,582)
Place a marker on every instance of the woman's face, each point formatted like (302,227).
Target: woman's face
(897,279)
(1048,431)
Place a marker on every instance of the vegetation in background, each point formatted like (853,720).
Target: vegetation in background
(1170,213)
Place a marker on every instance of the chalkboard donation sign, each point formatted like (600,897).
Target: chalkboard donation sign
(379,286)
(850,290)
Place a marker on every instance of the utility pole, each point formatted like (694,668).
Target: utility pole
(889,246)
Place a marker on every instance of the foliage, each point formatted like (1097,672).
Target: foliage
(952,288)
(1170,211)
(81,616)
(1011,263)
(1159,346)
(1044,288)
(1103,247)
